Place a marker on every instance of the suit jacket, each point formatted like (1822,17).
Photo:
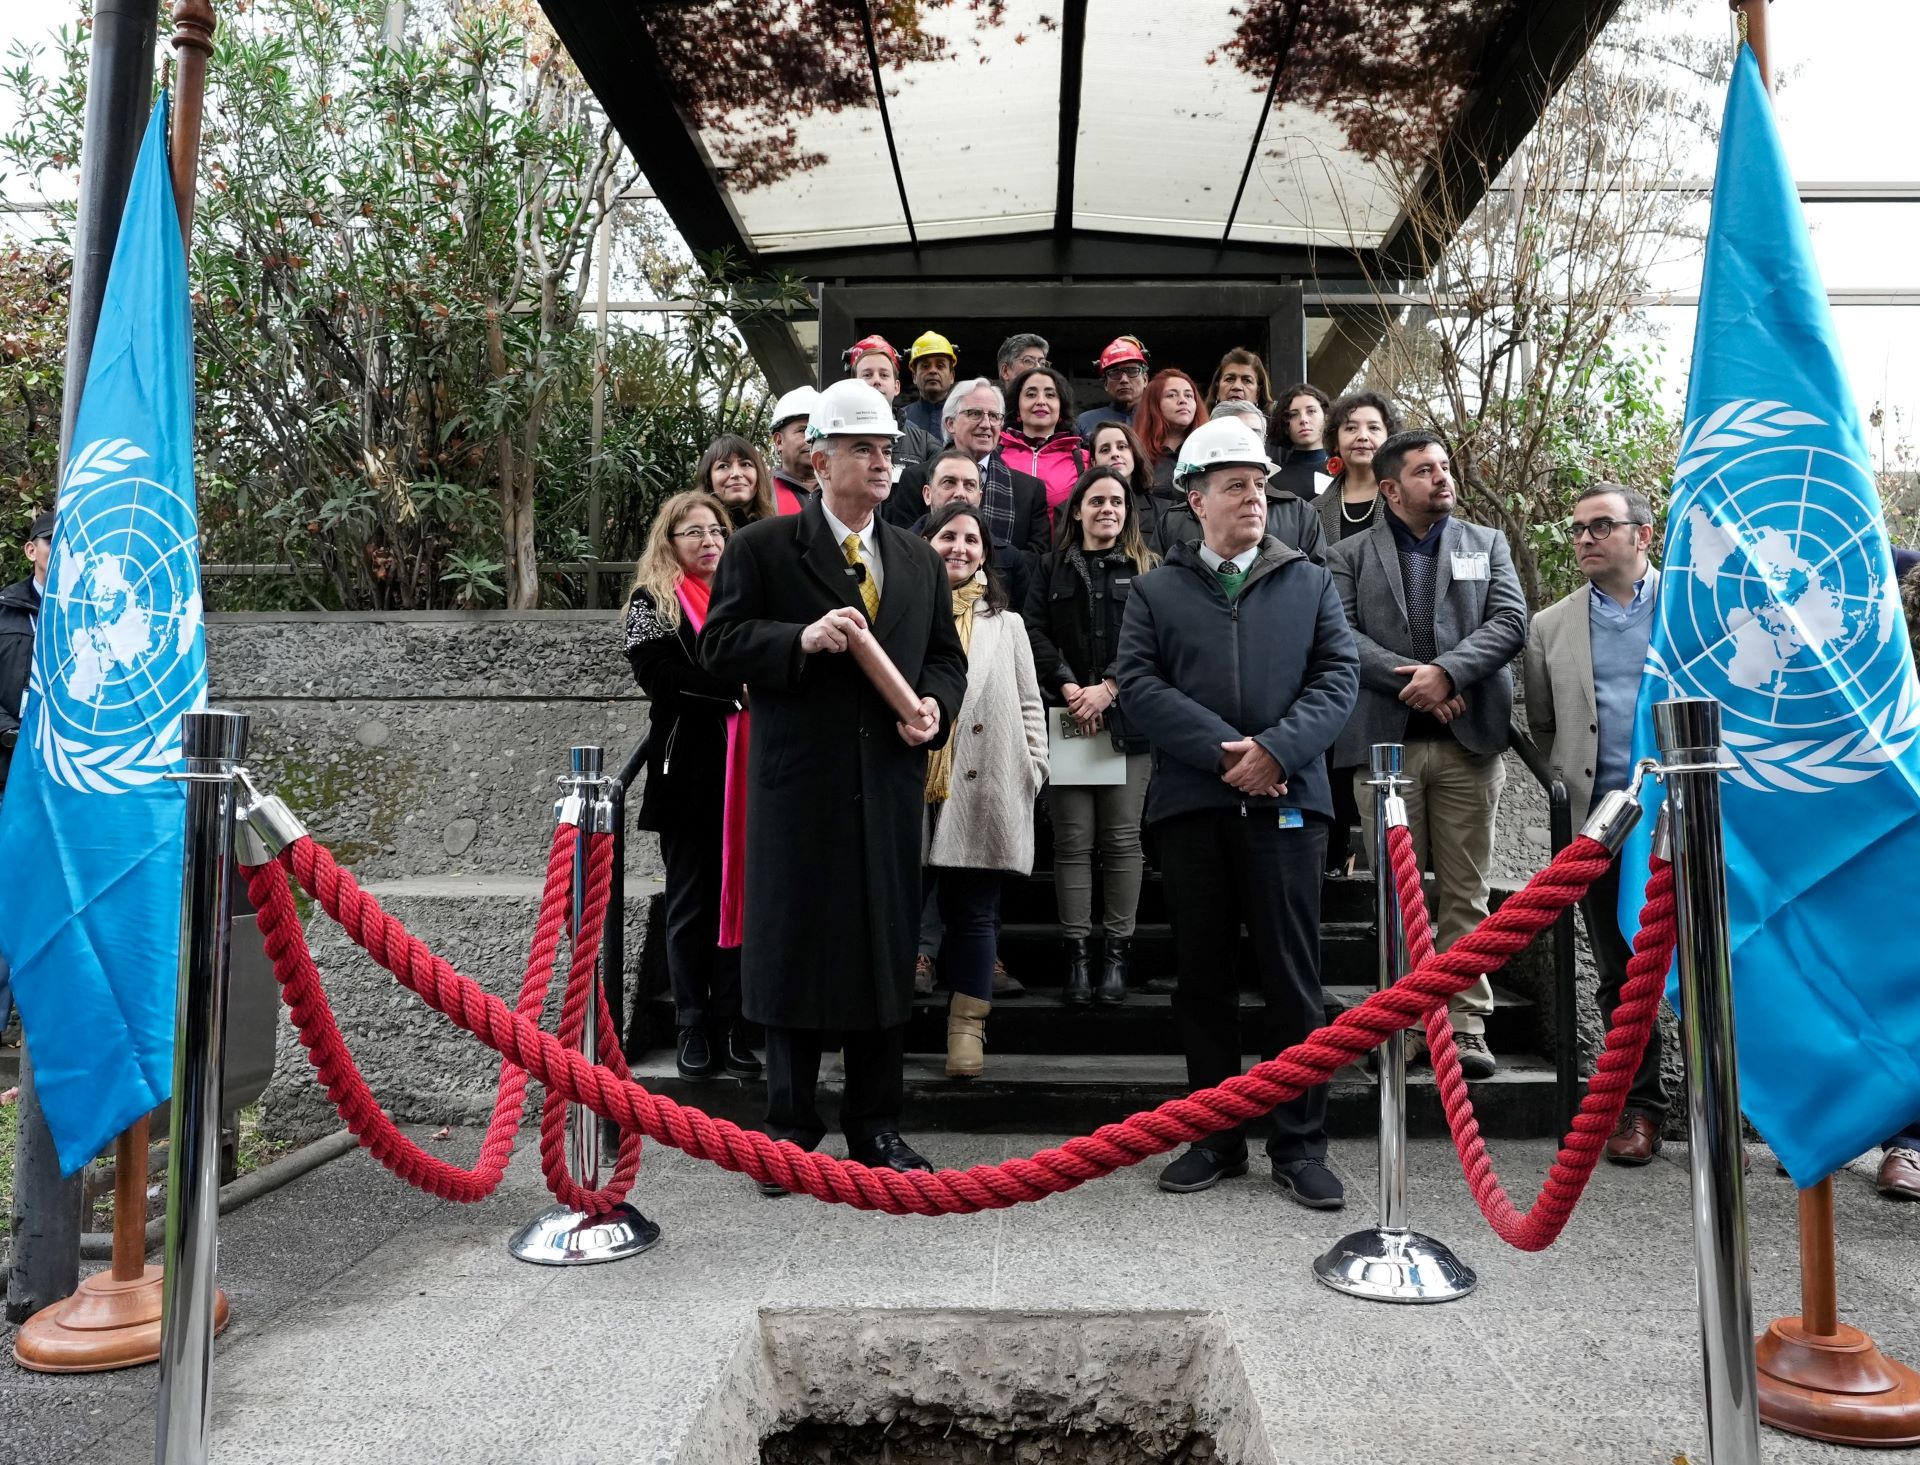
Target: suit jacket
(835,798)
(1562,714)
(1479,626)
(1032,528)
(1332,525)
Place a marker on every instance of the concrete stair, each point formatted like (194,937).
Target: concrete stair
(1052,1069)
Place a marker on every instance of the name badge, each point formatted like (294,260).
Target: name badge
(1291,819)
(1470,567)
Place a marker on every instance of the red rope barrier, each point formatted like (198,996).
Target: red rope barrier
(943,1192)
(1540,1225)
(345,1085)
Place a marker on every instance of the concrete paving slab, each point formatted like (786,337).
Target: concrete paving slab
(375,1325)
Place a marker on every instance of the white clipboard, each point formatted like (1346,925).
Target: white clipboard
(1075,760)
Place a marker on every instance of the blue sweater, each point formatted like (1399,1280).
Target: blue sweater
(1620,637)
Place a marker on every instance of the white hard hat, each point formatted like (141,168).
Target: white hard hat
(1223,442)
(851,408)
(796,403)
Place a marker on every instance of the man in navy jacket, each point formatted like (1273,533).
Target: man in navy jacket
(1236,664)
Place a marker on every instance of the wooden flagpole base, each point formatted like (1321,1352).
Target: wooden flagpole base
(113,1320)
(107,1324)
(1819,1377)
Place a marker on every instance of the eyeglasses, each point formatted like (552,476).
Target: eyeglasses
(1597,529)
(1121,373)
(1030,363)
(981,414)
(711,531)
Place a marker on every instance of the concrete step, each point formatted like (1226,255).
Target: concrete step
(1030,1093)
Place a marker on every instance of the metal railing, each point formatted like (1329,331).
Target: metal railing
(1566,1020)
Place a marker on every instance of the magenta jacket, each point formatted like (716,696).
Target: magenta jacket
(1058,463)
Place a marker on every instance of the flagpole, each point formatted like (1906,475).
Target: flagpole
(1818,1376)
(193,27)
(1752,16)
(46,1241)
(113,1319)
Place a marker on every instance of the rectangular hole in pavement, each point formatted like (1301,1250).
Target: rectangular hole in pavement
(962,1387)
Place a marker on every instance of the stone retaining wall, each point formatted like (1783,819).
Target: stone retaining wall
(423,750)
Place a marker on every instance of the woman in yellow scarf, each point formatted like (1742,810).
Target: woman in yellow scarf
(981,785)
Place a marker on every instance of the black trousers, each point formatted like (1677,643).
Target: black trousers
(1600,909)
(969,902)
(874,1091)
(706,979)
(1346,818)
(1221,869)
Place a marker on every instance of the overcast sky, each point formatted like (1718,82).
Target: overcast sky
(1846,113)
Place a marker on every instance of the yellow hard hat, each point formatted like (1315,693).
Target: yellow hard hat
(932,344)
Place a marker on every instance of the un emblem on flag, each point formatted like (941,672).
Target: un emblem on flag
(116,655)
(1782,606)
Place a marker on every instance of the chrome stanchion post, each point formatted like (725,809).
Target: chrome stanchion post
(583,1125)
(1688,731)
(561,1237)
(213,743)
(1392,1263)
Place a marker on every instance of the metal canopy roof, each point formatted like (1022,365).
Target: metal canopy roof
(997,139)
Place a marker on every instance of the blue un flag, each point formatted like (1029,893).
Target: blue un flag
(1779,599)
(90,830)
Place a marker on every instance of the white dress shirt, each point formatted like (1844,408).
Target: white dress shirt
(1240,561)
(869,544)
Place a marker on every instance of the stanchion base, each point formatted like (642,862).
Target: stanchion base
(1840,1388)
(105,1325)
(564,1238)
(1394,1266)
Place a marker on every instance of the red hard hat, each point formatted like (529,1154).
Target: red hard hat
(1120,350)
(868,344)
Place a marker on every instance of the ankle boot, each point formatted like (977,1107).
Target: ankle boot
(1079,991)
(966,1036)
(1113,977)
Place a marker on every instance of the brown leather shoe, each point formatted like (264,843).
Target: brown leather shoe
(1899,1177)
(1635,1140)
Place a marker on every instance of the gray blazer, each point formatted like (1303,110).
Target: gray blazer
(1562,715)
(1479,626)
(1327,506)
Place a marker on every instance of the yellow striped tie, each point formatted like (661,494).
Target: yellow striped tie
(869,592)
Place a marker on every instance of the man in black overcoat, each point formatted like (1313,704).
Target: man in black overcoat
(836,782)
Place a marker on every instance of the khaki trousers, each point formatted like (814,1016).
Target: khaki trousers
(1452,797)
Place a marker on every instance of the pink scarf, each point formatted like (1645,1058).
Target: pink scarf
(694,596)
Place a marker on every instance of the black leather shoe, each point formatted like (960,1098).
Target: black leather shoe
(890,1152)
(1161,986)
(1079,991)
(737,1055)
(694,1058)
(1112,990)
(1201,1169)
(1311,1183)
